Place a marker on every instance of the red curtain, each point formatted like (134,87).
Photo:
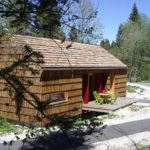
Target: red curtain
(85,89)
(100,82)
(99,85)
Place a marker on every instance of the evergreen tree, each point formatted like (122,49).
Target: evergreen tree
(105,44)
(134,16)
(134,48)
(73,35)
(119,34)
(2,28)
(40,17)
(113,44)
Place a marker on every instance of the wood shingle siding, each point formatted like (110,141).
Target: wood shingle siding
(62,72)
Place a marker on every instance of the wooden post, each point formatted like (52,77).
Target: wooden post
(112,82)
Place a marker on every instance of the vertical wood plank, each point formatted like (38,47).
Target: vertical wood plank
(112,82)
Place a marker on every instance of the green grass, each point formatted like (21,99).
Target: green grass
(135,107)
(146,81)
(133,89)
(6,127)
(145,148)
(109,116)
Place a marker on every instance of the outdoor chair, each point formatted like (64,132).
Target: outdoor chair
(97,97)
(105,98)
(113,97)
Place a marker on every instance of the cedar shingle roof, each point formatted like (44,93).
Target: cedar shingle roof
(78,55)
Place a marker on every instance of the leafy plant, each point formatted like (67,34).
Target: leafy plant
(6,127)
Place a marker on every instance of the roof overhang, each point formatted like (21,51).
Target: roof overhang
(81,68)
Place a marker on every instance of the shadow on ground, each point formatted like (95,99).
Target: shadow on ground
(55,141)
(59,140)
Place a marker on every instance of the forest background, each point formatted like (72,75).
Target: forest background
(76,20)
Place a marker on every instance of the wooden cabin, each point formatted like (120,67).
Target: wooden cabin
(69,75)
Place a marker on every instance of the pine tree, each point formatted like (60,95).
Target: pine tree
(40,17)
(119,34)
(113,44)
(105,44)
(134,16)
(73,35)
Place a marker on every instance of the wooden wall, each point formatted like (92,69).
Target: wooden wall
(59,82)
(119,83)
(8,54)
(71,82)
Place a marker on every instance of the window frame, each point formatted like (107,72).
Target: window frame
(48,98)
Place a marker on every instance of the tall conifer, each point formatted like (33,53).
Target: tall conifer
(134,16)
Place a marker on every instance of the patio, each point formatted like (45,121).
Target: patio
(107,108)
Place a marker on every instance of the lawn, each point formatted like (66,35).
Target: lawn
(6,127)
(133,89)
(145,148)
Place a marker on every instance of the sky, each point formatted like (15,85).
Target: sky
(113,12)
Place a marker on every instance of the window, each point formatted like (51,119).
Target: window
(56,98)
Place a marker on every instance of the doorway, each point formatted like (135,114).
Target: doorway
(93,82)
(91,87)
